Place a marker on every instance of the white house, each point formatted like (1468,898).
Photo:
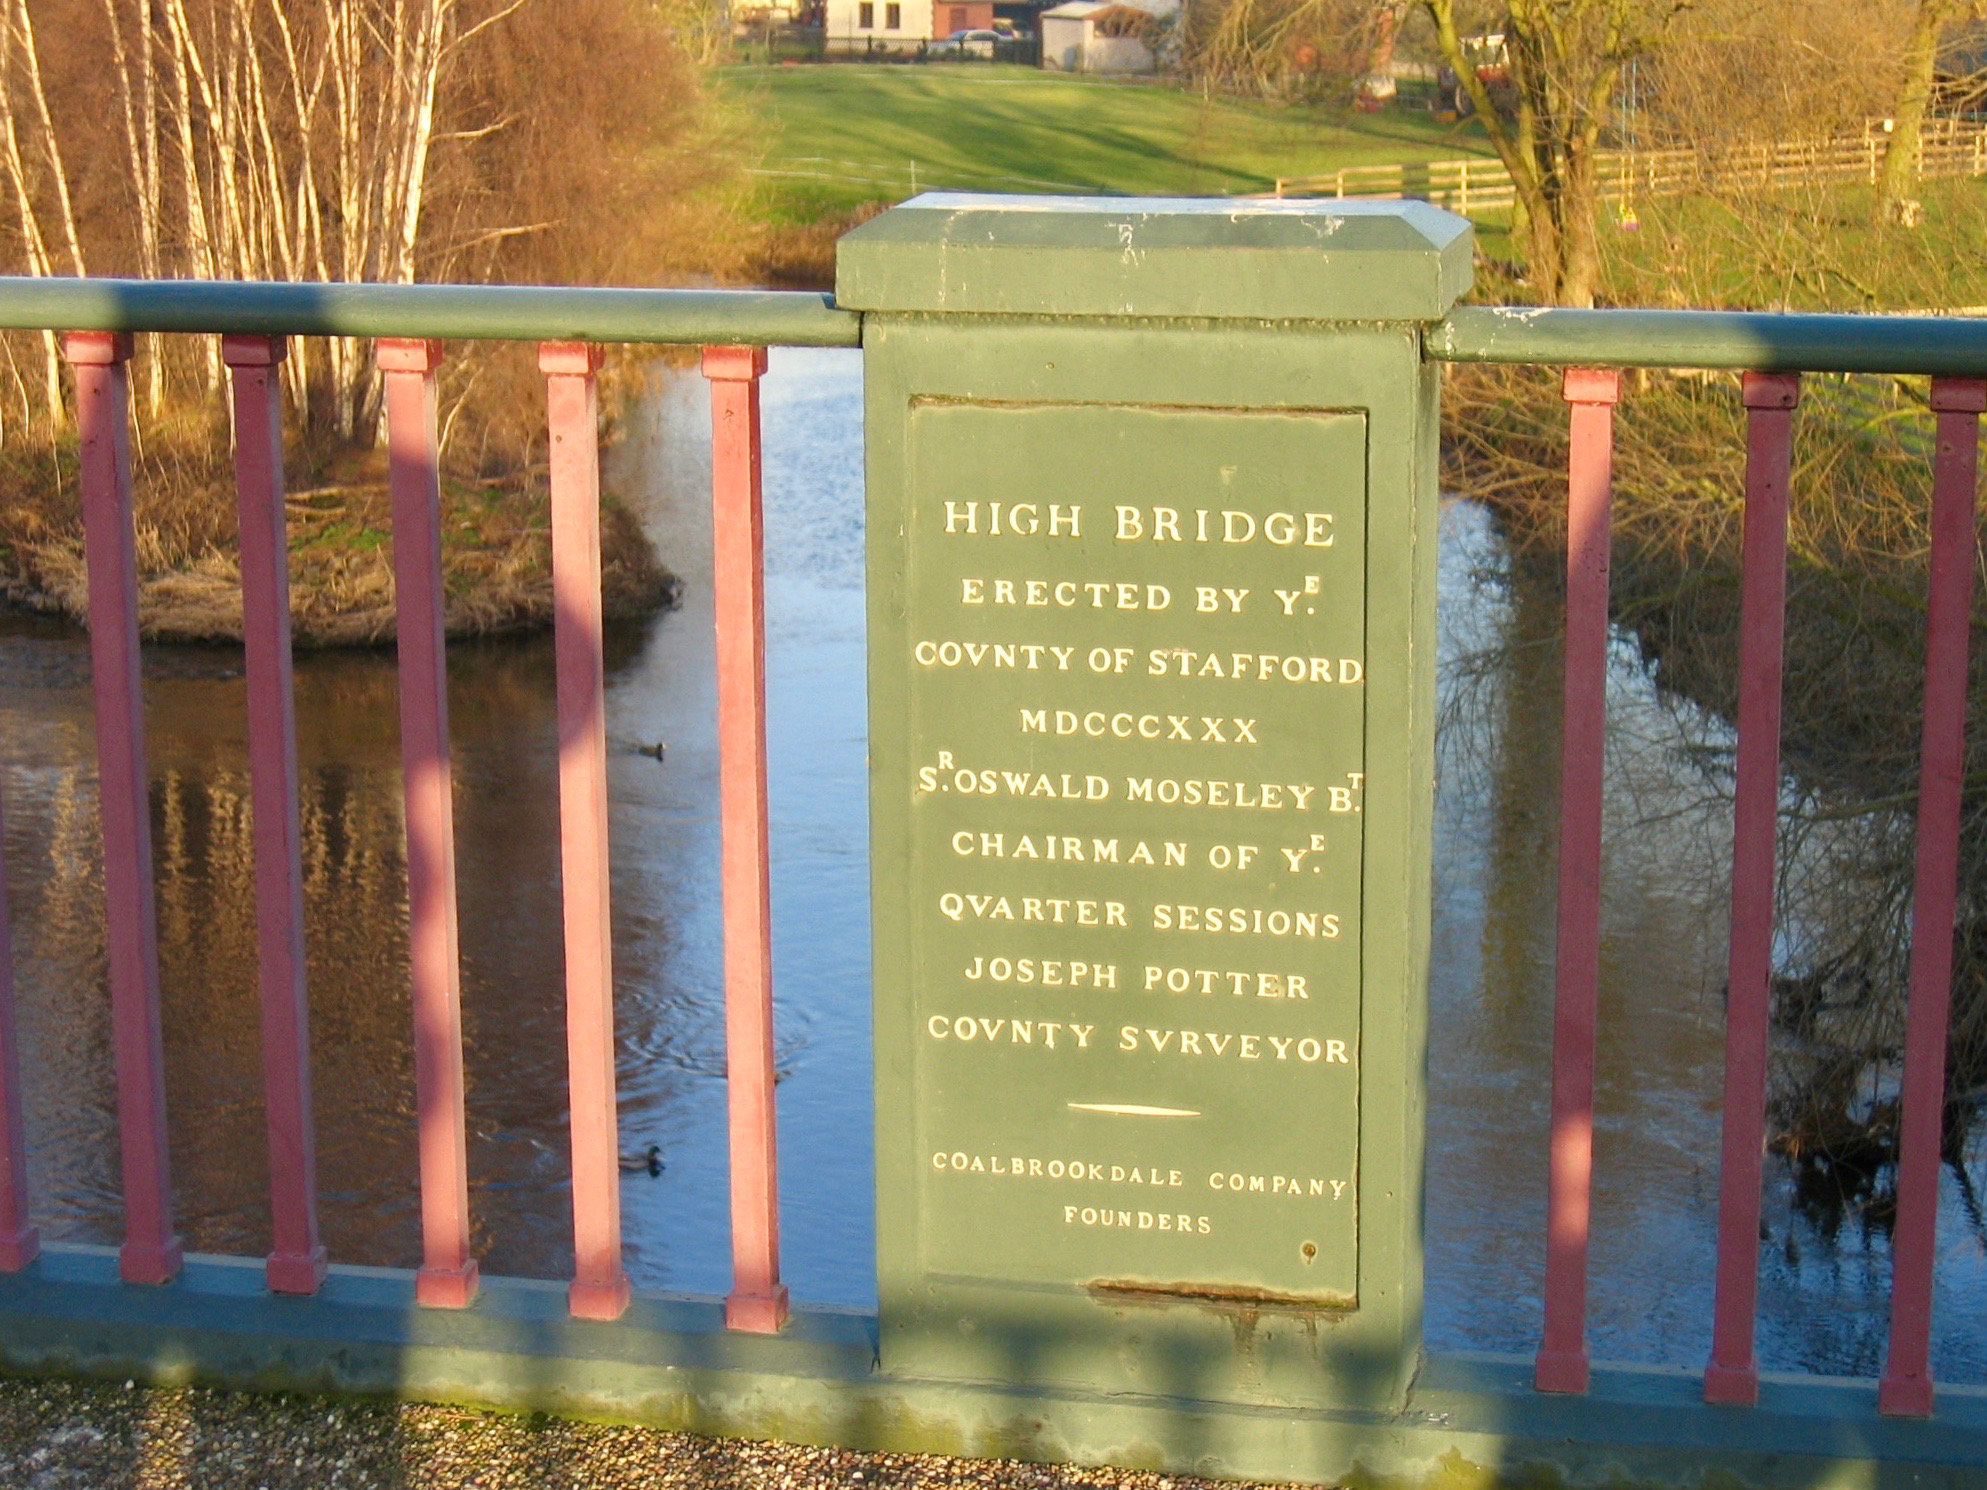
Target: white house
(1106,36)
(886,26)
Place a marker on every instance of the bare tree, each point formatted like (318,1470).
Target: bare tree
(137,111)
(313,165)
(301,135)
(357,140)
(1273,48)
(701,27)
(19,66)
(1734,74)
(1566,59)
(1914,95)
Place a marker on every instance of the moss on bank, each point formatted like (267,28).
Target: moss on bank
(496,546)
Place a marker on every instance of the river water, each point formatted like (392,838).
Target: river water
(1826,1273)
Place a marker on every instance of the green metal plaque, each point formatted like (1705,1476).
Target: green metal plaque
(1136,737)
(1151,622)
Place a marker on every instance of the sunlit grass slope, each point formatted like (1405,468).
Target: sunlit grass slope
(837,136)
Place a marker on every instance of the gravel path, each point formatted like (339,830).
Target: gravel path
(69,1435)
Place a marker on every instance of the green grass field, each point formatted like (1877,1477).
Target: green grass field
(1805,248)
(836,136)
(826,139)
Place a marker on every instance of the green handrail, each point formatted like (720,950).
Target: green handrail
(788,318)
(1741,340)
(1738,340)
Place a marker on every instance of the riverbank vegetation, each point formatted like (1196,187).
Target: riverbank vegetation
(482,140)
(496,549)
(1856,606)
(1719,79)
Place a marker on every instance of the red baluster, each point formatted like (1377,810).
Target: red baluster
(1906,1389)
(600,1286)
(1562,1358)
(758,1300)
(447,1279)
(296,1262)
(151,1253)
(20,1242)
(1733,1374)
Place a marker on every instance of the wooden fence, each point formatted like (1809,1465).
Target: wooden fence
(1947,147)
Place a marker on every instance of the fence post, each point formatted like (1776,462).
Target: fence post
(758,1300)
(1906,1390)
(1733,1374)
(296,1262)
(448,1275)
(151,1253)
(1562,1358)
(599,1288)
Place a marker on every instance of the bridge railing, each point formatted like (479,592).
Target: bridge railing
(1771,351)
(97,320)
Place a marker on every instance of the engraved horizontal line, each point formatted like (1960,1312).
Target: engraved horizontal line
(1132,1109)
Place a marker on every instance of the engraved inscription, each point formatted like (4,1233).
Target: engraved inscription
(1135,674)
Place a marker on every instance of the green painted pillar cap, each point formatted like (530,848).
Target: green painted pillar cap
(1219,258)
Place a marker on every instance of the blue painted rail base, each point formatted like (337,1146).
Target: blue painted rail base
(1470,1420)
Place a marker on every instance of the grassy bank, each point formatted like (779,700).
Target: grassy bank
(1804,249)
(496,544)
(837,141)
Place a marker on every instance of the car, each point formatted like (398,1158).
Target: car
(965,44)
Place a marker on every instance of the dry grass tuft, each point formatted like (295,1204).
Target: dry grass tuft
(496,547)
(802,255)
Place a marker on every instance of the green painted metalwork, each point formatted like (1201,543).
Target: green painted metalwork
(1948,346)
(1208,1186)
(472,312)
(1211,257)
(1744,341)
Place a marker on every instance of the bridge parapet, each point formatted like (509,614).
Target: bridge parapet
(1213,428)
